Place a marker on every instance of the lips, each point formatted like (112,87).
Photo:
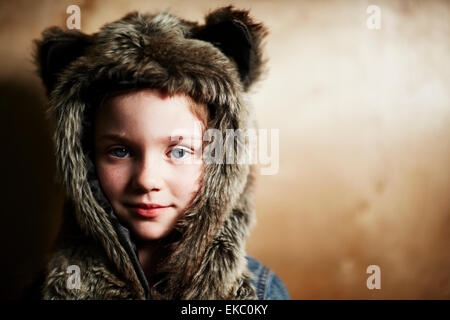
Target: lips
(151,210)
(148,206)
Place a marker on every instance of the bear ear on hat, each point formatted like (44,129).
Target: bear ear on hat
(239,38)
(57,49)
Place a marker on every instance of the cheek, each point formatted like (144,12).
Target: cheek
(186,182)
(112,180)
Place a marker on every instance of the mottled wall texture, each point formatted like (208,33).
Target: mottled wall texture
(364,143)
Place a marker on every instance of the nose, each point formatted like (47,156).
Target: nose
(147,176)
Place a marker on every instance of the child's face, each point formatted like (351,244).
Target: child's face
(138,164)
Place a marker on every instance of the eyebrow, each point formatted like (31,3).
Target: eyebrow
(122,138)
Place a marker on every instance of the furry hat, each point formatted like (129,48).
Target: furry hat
(214,63)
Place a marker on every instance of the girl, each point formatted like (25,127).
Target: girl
(147,217)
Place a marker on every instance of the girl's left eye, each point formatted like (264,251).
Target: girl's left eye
(179,152)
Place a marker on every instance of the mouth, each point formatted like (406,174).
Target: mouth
(148,210)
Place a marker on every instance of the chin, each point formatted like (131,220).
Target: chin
(150,234)
(151,237)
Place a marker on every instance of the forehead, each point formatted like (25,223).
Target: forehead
(147,113)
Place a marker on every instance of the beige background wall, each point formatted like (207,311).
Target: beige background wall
(364,120)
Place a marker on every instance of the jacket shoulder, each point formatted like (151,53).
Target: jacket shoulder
(267,284)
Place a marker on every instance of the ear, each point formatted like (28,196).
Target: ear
(239,38)
(57,49)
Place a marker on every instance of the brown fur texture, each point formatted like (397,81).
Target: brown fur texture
(215,63)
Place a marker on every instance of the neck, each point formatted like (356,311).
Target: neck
(147,257)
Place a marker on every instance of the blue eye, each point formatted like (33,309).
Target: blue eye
(178,153)
(119,152)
